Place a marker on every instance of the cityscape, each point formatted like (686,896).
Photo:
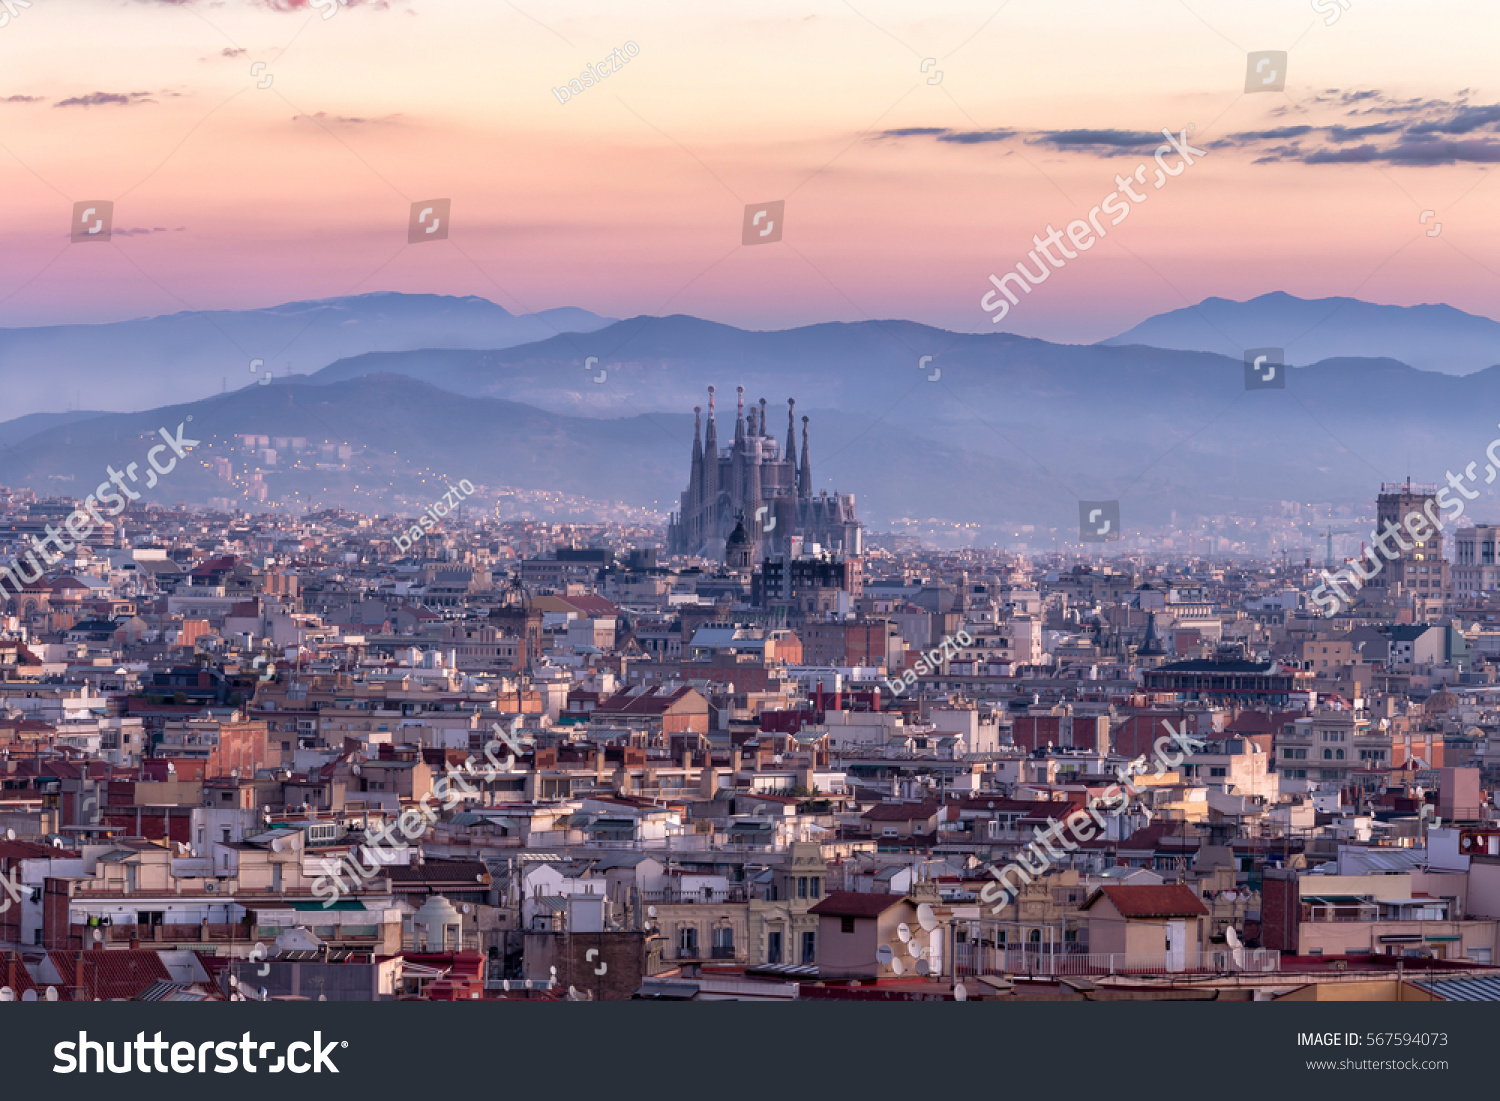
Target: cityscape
(636,587)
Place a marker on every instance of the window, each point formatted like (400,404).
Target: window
(687,942)
(815,887)
(1214,770)
(802,886)
(809,947)
(724,937)
(846,925)
(773,947)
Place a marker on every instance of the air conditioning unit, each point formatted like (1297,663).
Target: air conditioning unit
(211,886)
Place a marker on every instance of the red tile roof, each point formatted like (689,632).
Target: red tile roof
(855,904)
(1164,900)
(901,812)
(109,973)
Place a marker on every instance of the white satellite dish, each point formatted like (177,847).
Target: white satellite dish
(505,985)
(959,993)
(528,984)
(922,967)
(926,918)
(465,907)
(903,931)
(898,965)
(276,845)
(10,835)
(7,994)
(914,948)
(884,955)
(1232,938)
(651,911)
(51,994)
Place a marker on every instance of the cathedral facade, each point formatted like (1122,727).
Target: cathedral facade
(757,482)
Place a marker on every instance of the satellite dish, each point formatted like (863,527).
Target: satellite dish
(651,911)
(903,931)
(914,948)
(959,993)
(355,770)
(528,984)
(898,965)
(10,835)
(1232,938)
(926,918)
(505,985)
(276,845)
(29,996)
(884,955)
(922,967)
(465,907)
(51,995)
(1238,956)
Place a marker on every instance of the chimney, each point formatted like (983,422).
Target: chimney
(599,769)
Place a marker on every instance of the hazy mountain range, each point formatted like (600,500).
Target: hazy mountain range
(1432,337)
(1012,431)
(150,361)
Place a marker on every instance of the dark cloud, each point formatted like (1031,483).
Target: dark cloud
(1415,131)
(100,99)
(975,137)
(233,51)
(22,99)
(1109,143)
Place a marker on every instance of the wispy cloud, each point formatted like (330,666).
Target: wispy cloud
(102,99)
(1362,126)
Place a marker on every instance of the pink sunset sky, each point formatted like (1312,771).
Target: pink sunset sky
(902,195)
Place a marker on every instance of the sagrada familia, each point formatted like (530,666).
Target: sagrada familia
(758,485)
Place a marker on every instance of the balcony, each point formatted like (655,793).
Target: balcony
(705,896)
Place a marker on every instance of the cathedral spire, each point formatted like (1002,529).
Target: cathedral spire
(791,435)
(710,482)
(763,427)
(804,479)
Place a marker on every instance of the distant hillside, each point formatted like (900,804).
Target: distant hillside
(149,361)
(1430,337)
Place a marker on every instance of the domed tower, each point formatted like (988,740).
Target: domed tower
(739,549)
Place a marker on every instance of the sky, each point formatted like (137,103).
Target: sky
(257,152)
